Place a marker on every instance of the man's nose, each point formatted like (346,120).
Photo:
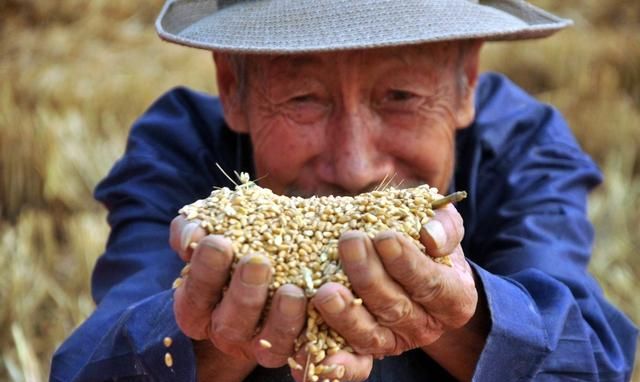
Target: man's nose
(356,162)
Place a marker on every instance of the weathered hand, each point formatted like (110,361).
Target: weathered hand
(224,323)
(409,300)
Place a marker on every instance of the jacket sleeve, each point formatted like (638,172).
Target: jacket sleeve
(123,338)
(531,251)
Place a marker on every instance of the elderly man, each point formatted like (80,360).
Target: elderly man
(332,97)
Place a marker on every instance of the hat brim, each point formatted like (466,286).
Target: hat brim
(291,26)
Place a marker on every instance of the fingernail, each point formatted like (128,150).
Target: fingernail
(291,304)
(256,270)
(187,233)
(340,370)
(333,304)
(388,245)
(352,248)
(435,229)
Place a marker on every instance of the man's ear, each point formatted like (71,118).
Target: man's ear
(229,92)
(470,57)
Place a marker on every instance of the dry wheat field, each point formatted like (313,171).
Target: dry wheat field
(74,74)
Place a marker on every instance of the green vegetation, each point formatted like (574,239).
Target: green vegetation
(75,74)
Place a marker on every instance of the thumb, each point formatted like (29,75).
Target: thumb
(443,232)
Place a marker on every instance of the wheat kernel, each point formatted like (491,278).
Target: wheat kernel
(293,364)
(265,344)
(177,282)
(168,359)
(312,370)
(185,271)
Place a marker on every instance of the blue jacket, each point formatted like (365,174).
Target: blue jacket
(527,236)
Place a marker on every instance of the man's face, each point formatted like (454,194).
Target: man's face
(344,122)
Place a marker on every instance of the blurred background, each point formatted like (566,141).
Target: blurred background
(74,75)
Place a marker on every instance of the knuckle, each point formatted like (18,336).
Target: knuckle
(429,290)
(347,326)
(365,282)
(401,345)
(395,313)
(372,342)
(420,332)
(227,336)
(250,303)
(194,297)
(199,294)
(286,331)
(407,272)
(191,320)
(191,327)
(433,325)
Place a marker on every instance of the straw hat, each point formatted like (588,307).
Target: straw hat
(289,26)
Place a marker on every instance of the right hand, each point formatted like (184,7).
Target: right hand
(224,327)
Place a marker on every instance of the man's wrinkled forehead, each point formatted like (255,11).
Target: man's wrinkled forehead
(440,53)
(296,60)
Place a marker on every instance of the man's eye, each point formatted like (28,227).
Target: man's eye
(306,108)
(302,98)
(399,96)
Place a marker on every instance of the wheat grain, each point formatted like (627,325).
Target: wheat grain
(300,238)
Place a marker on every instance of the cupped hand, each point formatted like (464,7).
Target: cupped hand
(409,300)
(225,323)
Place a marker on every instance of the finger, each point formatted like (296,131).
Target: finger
(442,233)
(349,366)
(182,233)
(382,295)
(351,320)
(195,299)
(343,366)
(234,321)
(281,328)
(444,292)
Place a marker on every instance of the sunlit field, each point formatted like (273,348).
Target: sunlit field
(74,75)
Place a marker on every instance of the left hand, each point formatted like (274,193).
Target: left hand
(409,301)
